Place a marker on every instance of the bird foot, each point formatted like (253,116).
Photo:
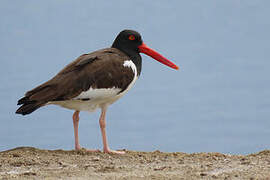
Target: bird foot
(113,151)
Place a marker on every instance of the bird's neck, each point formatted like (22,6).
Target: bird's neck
(134,56)
(137,60)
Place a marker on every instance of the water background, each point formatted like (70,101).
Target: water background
(219,101)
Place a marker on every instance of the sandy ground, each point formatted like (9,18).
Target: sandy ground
(32,163)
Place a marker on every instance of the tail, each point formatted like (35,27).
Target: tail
(35,99)
(28,106)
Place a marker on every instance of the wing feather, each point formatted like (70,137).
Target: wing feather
(100,69)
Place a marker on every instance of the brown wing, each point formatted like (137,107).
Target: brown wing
(100,69)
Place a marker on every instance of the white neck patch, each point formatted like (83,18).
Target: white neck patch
(129,63)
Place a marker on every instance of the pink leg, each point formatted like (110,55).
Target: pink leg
(76,126)
(76,119)
(102,123)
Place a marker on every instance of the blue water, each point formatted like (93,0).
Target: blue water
(219,101)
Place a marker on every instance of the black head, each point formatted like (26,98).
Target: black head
(128,42)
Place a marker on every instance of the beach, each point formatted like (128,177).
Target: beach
(33,163)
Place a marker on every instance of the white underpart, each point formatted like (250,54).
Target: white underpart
(98,97)
(98,93)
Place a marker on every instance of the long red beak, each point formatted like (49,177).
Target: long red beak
(150,52)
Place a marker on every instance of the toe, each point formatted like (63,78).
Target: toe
(114,152)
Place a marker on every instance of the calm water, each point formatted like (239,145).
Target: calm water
(218,101)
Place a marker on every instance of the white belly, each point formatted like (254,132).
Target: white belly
(98,98)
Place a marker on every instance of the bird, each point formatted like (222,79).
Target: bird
(94,80)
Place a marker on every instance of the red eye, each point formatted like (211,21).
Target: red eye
(131,37)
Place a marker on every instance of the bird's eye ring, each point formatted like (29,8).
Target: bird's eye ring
(131,37)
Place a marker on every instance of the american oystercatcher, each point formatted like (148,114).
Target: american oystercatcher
(94,80)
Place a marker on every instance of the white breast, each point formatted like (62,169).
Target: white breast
(98,97)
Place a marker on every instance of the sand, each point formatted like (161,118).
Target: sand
(33,163)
